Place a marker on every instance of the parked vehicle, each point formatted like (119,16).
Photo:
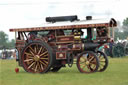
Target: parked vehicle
(61,40)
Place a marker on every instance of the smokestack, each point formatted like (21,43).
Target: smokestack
(88,17)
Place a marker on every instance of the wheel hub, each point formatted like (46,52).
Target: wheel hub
(87,62)
(36,58)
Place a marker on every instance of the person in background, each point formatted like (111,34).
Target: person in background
(32,36)
(101,32)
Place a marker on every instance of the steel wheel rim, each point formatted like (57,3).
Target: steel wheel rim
(35,58)
(102,61)
(87,63)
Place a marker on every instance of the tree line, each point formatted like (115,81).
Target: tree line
(121,32)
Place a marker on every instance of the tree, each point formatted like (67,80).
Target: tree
(4,42)
(3,39)
(125,22)
(125,28)
(121,32)
(121,35)
(11,44)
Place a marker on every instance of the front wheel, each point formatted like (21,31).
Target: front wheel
(87,62)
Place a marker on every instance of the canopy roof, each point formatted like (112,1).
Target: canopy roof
(70,25)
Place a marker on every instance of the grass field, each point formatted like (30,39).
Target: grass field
(116,74)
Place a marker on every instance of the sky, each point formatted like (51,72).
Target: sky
(30,13)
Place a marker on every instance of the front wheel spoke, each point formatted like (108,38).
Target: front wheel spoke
(100,55)
(91,59)
(102,64)
(101,58)
(89,56)
(93,62)
(102,61)
(83,66)
(31,65)
(82,62)
(83,58)
(94,67)
(89,67)
(100,67)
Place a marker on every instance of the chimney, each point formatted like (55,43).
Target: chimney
(88,17)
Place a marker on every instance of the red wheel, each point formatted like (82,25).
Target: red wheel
(87,62)
(37,57)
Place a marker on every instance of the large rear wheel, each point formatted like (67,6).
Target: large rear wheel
(37,57)
(87,62)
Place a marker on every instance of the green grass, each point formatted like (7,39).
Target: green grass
(116,74)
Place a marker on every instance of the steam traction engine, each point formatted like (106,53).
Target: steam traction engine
(60,41)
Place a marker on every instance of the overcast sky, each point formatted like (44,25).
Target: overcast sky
(28,13)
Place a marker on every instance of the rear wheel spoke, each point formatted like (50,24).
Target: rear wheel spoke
(32,53)
(43,63)
(31,65)
(27,60)
(28,54)
(44,58)
(44,53)
(31,49)
(39,51)
(35,49)
(42,67)
(36,68)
